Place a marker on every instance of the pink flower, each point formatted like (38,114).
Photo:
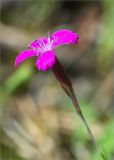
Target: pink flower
(43,48)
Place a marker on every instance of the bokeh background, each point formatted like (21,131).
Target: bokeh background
(37,119)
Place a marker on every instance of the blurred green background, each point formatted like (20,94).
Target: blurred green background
(37,120)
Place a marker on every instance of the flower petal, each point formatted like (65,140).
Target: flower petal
(24,55)
(38,42)
(45,61)
(64,37)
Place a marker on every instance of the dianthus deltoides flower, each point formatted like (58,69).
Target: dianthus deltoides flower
(44,50)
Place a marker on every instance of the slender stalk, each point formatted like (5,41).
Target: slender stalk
(65,82)
(76,105)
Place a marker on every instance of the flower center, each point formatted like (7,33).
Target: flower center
(47,45)
(44,47)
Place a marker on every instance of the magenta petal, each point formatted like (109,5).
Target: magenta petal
(24,55)
(45,61)
(64,37)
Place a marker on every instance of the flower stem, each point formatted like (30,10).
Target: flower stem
(65,82)
(76,105)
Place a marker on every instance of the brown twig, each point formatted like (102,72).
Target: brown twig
(62,77)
